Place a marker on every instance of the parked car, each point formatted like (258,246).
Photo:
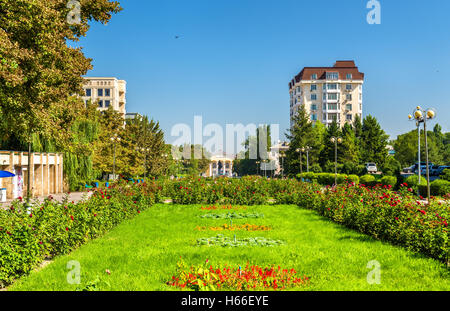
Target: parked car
(371,168)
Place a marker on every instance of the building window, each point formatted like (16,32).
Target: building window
(324,117)
(360,96)
(333,117)
(349,117)
(88,92)
(348,96)
(332,86)
(333,96)
(107,103)
(348,87)
(314,76)
(313,97)
(108,92)
(349,76)
(313,87)
(100,103)
(332,106)
(360,107)
(299,90)
(349,107)
(332,75)
(100,92)
(314,117)
(313,107)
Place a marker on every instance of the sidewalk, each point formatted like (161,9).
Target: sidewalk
(74,196)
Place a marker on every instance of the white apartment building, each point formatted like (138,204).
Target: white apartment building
(106,92)
(328,93)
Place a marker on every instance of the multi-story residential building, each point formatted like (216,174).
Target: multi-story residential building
(106,92)
(328,93)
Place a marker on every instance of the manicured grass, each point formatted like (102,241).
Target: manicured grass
(142,253)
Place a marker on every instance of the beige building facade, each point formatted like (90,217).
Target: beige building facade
(221,165)
(46,173)
(106,92)
(328,93)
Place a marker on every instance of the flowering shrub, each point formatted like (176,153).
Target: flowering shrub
(244,227)
(225,241)
(56,228)
(252,277)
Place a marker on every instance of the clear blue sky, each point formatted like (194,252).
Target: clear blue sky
(235,58)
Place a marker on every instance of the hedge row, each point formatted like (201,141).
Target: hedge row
(55,228)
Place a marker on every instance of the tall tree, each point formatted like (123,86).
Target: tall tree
(39,71)
(373,141)
(300,135)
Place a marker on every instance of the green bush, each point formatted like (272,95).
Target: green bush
(413,182)
(440,187)
(389,181)
(446,175)
(368,180)
(391,167)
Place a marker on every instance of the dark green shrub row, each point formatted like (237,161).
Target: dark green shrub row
(328,179)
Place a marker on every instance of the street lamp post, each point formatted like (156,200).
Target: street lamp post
(299,150)
(307,149)
(282,156)
(145,151)
(421,116)
(335,140)
(257,167)
(115,139)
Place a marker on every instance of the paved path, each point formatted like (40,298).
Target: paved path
(74,196)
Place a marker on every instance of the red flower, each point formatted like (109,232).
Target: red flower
(71,217)
(31,215)
(67,229)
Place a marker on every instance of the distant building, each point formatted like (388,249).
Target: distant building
(46,173)
(274,157)
(132,116)
(106,92)
(221,165)
(328,93)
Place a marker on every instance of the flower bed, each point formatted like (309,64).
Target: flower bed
(233,215)
(225,241)
(229,207)
(244,227)
(251,277)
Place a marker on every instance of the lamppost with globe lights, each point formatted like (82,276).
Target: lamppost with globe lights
(421,116)
(115,139)
(257,167)
(335,141)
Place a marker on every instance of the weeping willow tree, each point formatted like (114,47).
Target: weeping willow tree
(78,164)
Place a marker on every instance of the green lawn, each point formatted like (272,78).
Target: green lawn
(142,253)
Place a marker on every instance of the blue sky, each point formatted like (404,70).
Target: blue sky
(235,58)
